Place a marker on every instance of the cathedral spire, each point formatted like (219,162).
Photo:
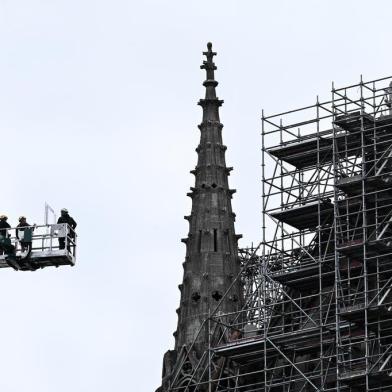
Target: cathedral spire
(211,245)
(211,261)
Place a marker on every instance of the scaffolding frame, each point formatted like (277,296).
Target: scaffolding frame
(317,307)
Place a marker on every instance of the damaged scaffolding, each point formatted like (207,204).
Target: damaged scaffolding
(316,310)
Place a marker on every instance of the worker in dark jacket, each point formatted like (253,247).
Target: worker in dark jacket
(66,218)
(25,238)
(4,226)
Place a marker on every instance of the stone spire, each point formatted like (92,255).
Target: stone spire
(211,260)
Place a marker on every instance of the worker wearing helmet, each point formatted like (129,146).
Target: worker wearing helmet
(4,226)
(66,218)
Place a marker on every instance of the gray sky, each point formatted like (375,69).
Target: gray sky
(98,114)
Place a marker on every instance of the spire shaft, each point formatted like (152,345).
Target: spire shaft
(211,245)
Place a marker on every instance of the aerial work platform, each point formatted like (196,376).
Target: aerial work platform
(51,245)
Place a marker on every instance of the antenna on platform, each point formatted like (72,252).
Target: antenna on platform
(49,209)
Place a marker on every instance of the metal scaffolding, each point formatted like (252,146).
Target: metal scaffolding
(317,306)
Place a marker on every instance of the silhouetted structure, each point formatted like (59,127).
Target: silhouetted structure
(211,263)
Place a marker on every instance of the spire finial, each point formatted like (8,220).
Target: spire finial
(209,65)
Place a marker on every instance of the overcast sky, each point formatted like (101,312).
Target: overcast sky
(98,114)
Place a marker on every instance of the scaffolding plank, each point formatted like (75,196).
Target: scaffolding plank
(353,121)
(353,185)
(305,278)
(307,216)
(305,153)
(301,341)
(243,350)
(356,313)
(305,340)
(357,378)
(356,249)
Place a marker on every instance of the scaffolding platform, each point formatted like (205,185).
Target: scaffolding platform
(356,249)
(306,152)
(384,122)
(48,246)
(353,185)
(356,313)
(307,216)
(316,149)
(353,121)
(244,350)
(357,378)
(305,278)
(303,341)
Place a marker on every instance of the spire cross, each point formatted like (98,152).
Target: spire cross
(209,65)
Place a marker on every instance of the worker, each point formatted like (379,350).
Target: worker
(26,238)
(388,97)
(4,226)
(66,218)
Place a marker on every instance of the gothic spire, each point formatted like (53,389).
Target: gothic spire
(211,260)
(211,245)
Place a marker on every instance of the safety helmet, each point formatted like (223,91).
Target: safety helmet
(64,210)
(22,217)
(4,217)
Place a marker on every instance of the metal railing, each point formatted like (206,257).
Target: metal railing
(44,239)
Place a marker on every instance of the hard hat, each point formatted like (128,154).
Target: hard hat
(64,210)
(21,217)
(3,217)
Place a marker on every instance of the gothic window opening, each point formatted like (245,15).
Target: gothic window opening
(228,241)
